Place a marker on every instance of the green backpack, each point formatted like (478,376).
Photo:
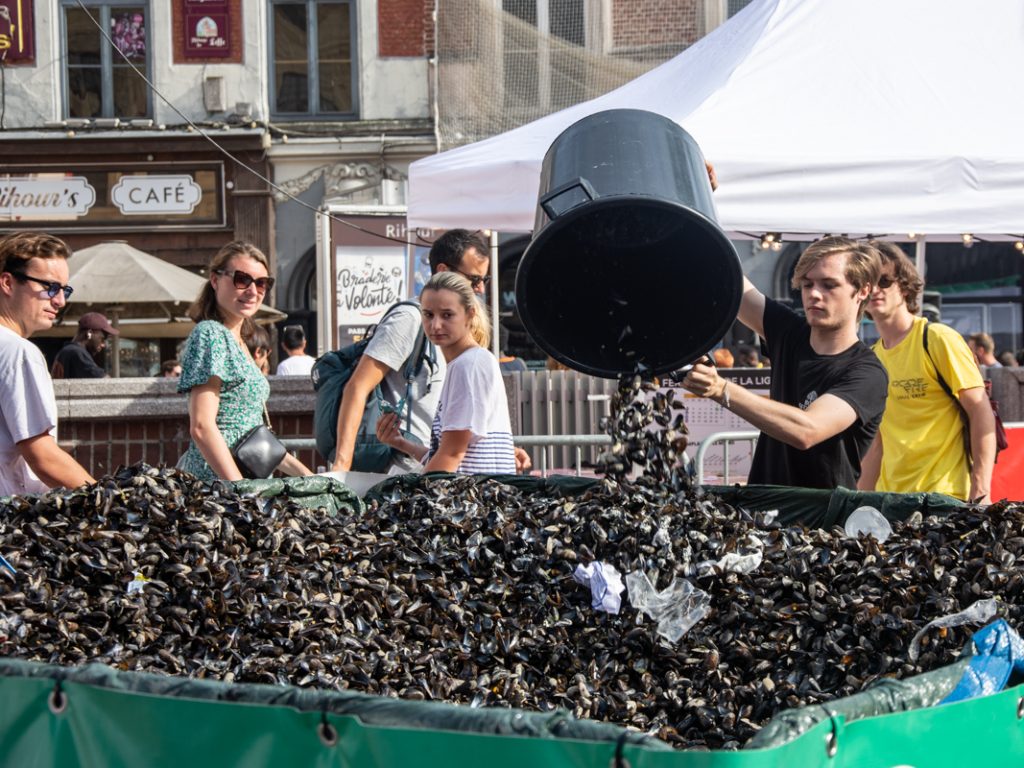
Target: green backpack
(331,373)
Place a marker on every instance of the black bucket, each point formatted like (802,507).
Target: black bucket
(627,270)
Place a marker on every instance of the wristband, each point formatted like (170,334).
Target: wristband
(725,395)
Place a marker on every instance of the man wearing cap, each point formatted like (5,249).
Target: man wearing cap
(33,289)
(78,360)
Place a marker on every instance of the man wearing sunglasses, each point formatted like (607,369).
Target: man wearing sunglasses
(33,289)
(920,445)
(393,343)
(83,357)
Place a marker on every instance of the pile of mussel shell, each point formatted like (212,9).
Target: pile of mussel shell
(462,590)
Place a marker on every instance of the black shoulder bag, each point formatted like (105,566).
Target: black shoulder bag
(259,452)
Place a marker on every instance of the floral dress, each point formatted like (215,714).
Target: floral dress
(211,350)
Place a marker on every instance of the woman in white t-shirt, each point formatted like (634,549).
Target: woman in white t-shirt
(472,432)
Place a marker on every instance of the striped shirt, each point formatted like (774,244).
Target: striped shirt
(473,399)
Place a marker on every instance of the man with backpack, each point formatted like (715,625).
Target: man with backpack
(411,387)
(938,430)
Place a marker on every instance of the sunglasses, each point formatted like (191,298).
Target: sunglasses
(242,280)
(476,280)
(52,287)
(885,281)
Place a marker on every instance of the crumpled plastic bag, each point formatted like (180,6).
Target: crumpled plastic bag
(978,613)
(676,609)
(736,562)
(605,584)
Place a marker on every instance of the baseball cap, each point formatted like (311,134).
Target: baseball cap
(94,321)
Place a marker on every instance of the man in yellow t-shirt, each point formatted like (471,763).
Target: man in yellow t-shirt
(920,445)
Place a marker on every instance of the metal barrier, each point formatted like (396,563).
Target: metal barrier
(725,439)
(577,442)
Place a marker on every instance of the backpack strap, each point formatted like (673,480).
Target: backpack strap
(938,374)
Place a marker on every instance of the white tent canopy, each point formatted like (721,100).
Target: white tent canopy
(821,116)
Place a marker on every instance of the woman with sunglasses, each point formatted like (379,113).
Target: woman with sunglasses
(227,392)
(472,432)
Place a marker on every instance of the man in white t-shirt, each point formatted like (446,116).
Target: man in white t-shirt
(457,250)
(296,361)
(33,289)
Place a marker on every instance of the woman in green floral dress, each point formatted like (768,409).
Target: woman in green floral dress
(227,392)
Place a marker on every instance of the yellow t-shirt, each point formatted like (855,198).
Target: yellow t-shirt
(921,431)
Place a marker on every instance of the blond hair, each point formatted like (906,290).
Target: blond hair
(479,324)
(863,263)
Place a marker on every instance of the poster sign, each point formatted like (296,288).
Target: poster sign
(705,417)
(142,195)
(207,29)
(369,280)
(17,34)
(45,196)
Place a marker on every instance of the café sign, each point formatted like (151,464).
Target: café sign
(144,195)
(45,198)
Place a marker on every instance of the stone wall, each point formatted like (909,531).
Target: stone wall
(105,423)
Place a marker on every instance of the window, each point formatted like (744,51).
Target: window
(312,54)
(535,73)
(98,80)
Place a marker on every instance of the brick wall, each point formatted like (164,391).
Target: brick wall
(405,27)
(638,24)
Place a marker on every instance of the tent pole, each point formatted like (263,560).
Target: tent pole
(495,288)
(115,348)
(919,256)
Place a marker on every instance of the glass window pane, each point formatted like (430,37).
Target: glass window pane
(291,58)
(335,87)
(526,10)
(129,93)
(128,31)
(291,38)
(333,29)
(291,85)
(83,37)
(84,92)
(566,21)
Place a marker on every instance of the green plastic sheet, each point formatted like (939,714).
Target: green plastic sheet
(313,492)
(57,716)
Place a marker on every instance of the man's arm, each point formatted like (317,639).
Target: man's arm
(51,463)
(871,465)
(824,418)
(367,375)
(751,312)
(983,442)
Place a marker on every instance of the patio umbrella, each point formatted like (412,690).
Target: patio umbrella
(127,284)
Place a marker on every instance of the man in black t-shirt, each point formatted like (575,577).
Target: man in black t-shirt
(78,360)
(828,388)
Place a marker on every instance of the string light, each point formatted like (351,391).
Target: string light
(912,235)
(771,240)
(1019,245)
(968,239)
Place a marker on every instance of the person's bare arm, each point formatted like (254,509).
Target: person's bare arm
(367,375)
(52,464)
(291,466)
(751,312)
(389,434)
(451,451)
(203,403)
(871,465)
(824,418)
(983,442)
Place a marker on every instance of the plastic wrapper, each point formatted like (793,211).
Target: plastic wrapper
(978,613)
(868,520)
(676,609)
(605,584)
